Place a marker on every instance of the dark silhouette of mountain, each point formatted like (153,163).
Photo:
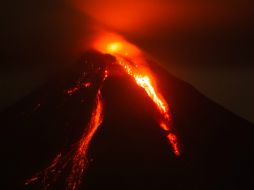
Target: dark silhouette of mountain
(129,150)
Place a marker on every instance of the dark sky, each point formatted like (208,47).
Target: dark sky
(207,43)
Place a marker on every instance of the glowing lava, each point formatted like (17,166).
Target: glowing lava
(130,58)
(133,63)
(79,159)
(76,159)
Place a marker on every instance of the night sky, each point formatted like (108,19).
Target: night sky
(207,43)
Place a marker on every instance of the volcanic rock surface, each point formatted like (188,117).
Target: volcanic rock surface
(129,150)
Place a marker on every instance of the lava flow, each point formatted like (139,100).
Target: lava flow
(130,59)
(75,159)
(79,159)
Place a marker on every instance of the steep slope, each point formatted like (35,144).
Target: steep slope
(129,150)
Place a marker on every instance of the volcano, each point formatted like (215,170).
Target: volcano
(41,133)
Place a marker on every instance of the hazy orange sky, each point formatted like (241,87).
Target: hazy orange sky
(148,17)
(211,41)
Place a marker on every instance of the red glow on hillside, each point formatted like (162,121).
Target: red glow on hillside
(132,62)
(76,158)
(130,58)
(79,160)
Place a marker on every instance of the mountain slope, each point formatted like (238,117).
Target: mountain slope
(129,150)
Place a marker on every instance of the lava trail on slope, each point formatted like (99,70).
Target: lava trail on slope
(78,159)
(135,67)
(129,150)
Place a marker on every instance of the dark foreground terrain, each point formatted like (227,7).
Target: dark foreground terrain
(129,150)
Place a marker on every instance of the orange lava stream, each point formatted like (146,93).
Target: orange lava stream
(144,81)
(80,157)
(130,58)
(76,158)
